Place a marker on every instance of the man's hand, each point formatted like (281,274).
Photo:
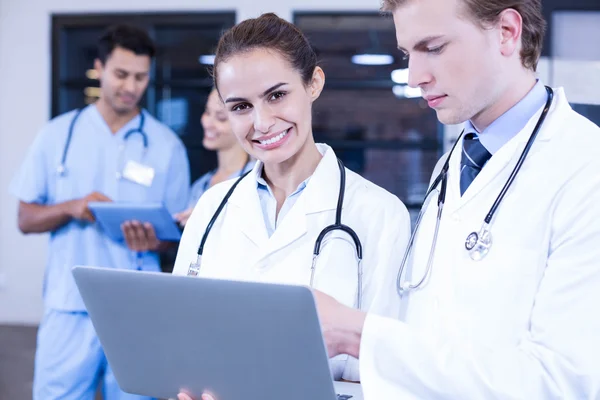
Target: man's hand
(78,209)
(140,237)
(342,326)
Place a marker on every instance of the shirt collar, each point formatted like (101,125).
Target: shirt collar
(262,184)
(511,122)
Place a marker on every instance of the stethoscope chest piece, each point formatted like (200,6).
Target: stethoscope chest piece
(478,243)
(471,240)
(61,170)
(194,268)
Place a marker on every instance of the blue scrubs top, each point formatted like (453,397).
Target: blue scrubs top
(202,184)
(93,162)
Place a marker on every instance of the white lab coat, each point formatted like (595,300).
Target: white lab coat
(239,248)
(520,323)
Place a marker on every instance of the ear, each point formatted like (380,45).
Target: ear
(511,28)
(98,66)
(316,84)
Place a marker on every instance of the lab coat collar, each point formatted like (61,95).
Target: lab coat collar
(507,155)
(245,204)
(323,188)
(320,194)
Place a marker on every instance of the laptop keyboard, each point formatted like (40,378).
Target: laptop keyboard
(344,396)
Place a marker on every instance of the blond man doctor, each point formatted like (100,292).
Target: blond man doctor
(516,322)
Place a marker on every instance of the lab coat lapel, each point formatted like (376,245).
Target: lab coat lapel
(506,158)
(323,189)
(245,205)
(498,163)
(319,195)
(290,229)
(453,187)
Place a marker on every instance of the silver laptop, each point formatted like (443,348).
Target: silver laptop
(237,340)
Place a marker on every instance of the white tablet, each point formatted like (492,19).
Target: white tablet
(111,215)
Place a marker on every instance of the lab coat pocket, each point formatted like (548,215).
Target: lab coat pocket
(500,288)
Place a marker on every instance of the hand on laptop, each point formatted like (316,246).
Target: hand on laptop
(140,237)
(183,396)
(341,325)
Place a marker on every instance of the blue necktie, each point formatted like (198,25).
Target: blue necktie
(474,156)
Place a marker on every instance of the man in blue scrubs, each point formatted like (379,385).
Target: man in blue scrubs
(102,163)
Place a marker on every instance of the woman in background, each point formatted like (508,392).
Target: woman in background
(233,161)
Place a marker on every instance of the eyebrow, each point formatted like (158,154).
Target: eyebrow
(422,44)
(123,71)
(264,94)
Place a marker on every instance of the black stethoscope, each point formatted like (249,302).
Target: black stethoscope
(62,170)
(194,268)
(477,243)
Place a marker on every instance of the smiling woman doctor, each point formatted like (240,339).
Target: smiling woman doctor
(265,71)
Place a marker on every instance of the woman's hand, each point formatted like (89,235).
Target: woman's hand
(184,396)
(183,216)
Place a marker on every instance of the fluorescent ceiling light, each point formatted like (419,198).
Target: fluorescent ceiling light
(400,76)
(92,74)
(372,59)
(207,59)
(92,91)
(404,91)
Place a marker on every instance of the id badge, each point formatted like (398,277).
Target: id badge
(138,173)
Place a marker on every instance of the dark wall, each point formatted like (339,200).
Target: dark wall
(551,6)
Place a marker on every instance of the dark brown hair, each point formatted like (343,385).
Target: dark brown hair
(486,12)
(128,37)
(271,33)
